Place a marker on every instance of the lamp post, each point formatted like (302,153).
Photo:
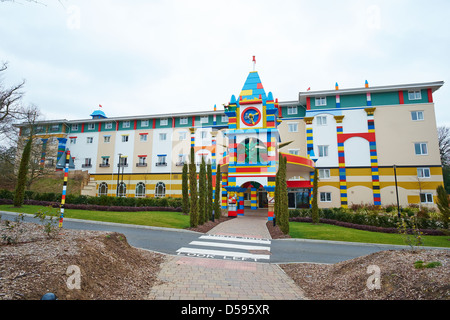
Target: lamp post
(396,190)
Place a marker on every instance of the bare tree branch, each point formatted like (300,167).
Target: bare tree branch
(444,144)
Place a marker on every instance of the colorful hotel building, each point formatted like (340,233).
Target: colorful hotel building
(354,136)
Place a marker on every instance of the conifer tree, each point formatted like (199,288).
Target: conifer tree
(443,205)
(217,194)
(185,189)
(193,189)
(314,206)
(283,194)
(22,174)
(202,193)
(209,198)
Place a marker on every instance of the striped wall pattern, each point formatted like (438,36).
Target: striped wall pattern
(373,158)
(341,160)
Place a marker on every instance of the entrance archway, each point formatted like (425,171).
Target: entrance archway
(253,199)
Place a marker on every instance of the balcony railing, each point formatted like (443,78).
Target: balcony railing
(87,165)
(161,164)
(141,165)
(104,165)
(180,164)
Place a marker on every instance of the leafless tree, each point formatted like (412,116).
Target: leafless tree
(444,144)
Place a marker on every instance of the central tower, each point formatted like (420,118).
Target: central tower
(252,145)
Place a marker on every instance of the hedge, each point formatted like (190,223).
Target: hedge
(102,203)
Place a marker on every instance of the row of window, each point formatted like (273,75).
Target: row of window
(142,161)
(424,197)
(412,95)
(421,173)
(144,123)
(160,189)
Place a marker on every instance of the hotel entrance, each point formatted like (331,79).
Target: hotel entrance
(298,198)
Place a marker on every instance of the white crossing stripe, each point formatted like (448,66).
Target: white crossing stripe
(228,245)
(237,239)
(224,253)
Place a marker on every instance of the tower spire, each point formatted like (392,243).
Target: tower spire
(254,63)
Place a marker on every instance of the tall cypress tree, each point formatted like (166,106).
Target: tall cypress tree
(185,189)
(217,194)
(209,197)
(314,206)
(202,193)
(193,188)
(22,174)
(283,194)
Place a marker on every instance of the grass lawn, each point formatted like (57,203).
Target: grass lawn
(165,219)
(336,233)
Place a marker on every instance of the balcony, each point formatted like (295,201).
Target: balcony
(180,164)
(122,165)
(161,164)
(141,165)
(88,165)
(104,165)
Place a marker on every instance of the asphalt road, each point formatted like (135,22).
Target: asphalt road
(169,241)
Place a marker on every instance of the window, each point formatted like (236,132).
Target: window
(108,125)
(161,160)
(87,163)
(90,139)
(91,126)
(105,162)
(321,120)
(414,95)
(204,119)
(126,124)
(324,173)
(142,161)
(323,151)
(121,189)
(292,110)
(162,136)
(123,162)
(55,127)
(184,120)
(224,118)
(73,140)
(140,189)
(143,137)
(106,139)
(144,123)
(124,138)
(421,148)
(417,115)
(163,122)
(39,129)
(325,197)
(204,134)
(160,189)
(103,189)
(321,101)
(423,172)
(74,127)
(182,135)
(293,151)
(426,198)
(293,127)
(181,158)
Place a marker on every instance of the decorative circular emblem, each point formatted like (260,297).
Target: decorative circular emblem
(251,116)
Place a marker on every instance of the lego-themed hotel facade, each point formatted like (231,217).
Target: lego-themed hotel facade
(361,140)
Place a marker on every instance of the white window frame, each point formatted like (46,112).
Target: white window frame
(161,185)
(423,173)
(126,124)
(125,138)
(74,127)
(145,123)
(204,134)
(417,113)
(89,139)
(142,188)
(415,95)
(184,120)
(321,120)
(182,135)
(293,127)
(204,119)
(106,139)
(143,137)
(224,118)
(91,126)
(294,151)
(325,196)
(162,136)
(108,125)
(427,196)
(142,160)
(423,151)
(322,151)
(324,174)
(164,122)
(73,140)
(321,101)
(292,110)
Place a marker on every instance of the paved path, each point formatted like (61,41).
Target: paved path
(187,278)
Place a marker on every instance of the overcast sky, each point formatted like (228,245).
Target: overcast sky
(157,56)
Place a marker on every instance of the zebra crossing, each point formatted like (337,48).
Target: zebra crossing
(228,248)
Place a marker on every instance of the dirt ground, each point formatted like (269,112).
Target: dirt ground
(110,269)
